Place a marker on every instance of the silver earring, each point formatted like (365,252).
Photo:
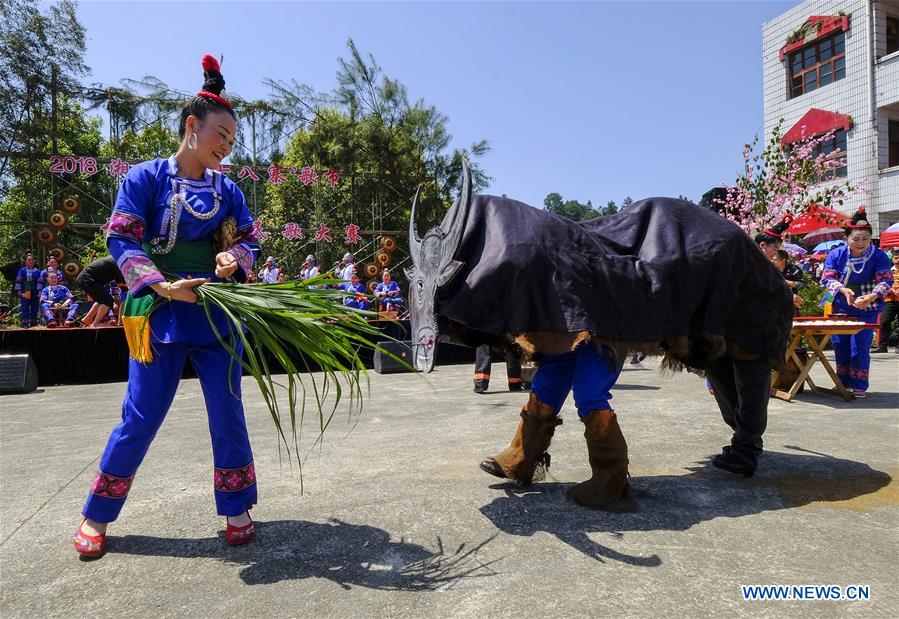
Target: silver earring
(192,141)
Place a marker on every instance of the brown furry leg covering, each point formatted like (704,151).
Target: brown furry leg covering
(608,488)
(535,432)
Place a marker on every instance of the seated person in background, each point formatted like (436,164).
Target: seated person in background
(359,300)
(251,278)
(52,266)
(95,280)
(281,278)
(791,272)
(387,294)
(56,302)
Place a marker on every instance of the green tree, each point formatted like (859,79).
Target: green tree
(368,127)
(626,202)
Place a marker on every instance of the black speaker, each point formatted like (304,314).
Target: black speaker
(18,374)
(385,364)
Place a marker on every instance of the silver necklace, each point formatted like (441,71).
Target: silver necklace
(178,200)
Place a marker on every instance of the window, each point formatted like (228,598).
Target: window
(894,143)
(817,64)
(835,144)
(892,34)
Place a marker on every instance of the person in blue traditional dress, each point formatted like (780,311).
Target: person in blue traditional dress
(856,277)
(28,287)
(53,267)
(359,300)
(180,217)
(57,300)
(388,293)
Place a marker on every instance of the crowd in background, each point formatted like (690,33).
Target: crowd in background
(47,298)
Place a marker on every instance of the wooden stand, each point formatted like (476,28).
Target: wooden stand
(818,335)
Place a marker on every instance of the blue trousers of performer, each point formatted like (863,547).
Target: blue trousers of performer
(853,353)
(586,371)
(151,389)
(28,309)
(49,314)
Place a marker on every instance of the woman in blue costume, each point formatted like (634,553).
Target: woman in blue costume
(28,287)
(179,217)
(359,300)
(388,294)
(857,277)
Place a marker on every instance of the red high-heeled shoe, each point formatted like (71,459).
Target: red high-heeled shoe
(235,536)
(89,545)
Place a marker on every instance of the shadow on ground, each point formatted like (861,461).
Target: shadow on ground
(348,554)
(678,502)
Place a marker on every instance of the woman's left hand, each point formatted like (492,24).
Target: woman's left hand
(864,301)
(225,264)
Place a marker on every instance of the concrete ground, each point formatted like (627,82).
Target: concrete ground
(396,519)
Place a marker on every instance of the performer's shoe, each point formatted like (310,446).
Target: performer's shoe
(515,386)
(608,488)
(235,536)
(859,394)
(52,324)
(92,546)
(879,349)
(480,386)
(736,463)
(69,323)
(519,461)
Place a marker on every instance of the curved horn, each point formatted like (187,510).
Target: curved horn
(414,240)
(455,219)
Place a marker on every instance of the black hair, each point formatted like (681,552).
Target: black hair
(782,254)
(859,216)
(772,235)
(201,106)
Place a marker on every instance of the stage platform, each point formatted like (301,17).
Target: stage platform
(81,355)
(395,519)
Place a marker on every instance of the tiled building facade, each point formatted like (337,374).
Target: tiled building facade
(834,64)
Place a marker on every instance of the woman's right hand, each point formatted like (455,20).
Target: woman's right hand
(849,294)
(179,290)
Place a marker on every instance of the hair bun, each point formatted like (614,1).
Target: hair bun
(211,64)
(212,71)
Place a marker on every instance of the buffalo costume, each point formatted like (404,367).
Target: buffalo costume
(664,277)
(28,288)
(865,274)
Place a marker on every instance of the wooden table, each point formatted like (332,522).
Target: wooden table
(817,331)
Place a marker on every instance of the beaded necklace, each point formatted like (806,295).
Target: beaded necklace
(178,203)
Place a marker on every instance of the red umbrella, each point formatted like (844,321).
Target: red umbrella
(828,233)
(817,217)
(890,237)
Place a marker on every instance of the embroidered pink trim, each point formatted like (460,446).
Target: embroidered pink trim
(244,257)
(234,480)
(123,224)
(110,486)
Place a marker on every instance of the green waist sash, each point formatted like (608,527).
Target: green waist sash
(185,257)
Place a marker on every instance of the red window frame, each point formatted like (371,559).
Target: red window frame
(816,64)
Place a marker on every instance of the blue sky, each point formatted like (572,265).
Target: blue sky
(595,100)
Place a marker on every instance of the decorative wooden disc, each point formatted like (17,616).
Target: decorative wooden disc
(71,268)
(58,219)
(371,270)
(46,236)
(57,252)
(388,244)
(71,204)
(382,258)
(370,285)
